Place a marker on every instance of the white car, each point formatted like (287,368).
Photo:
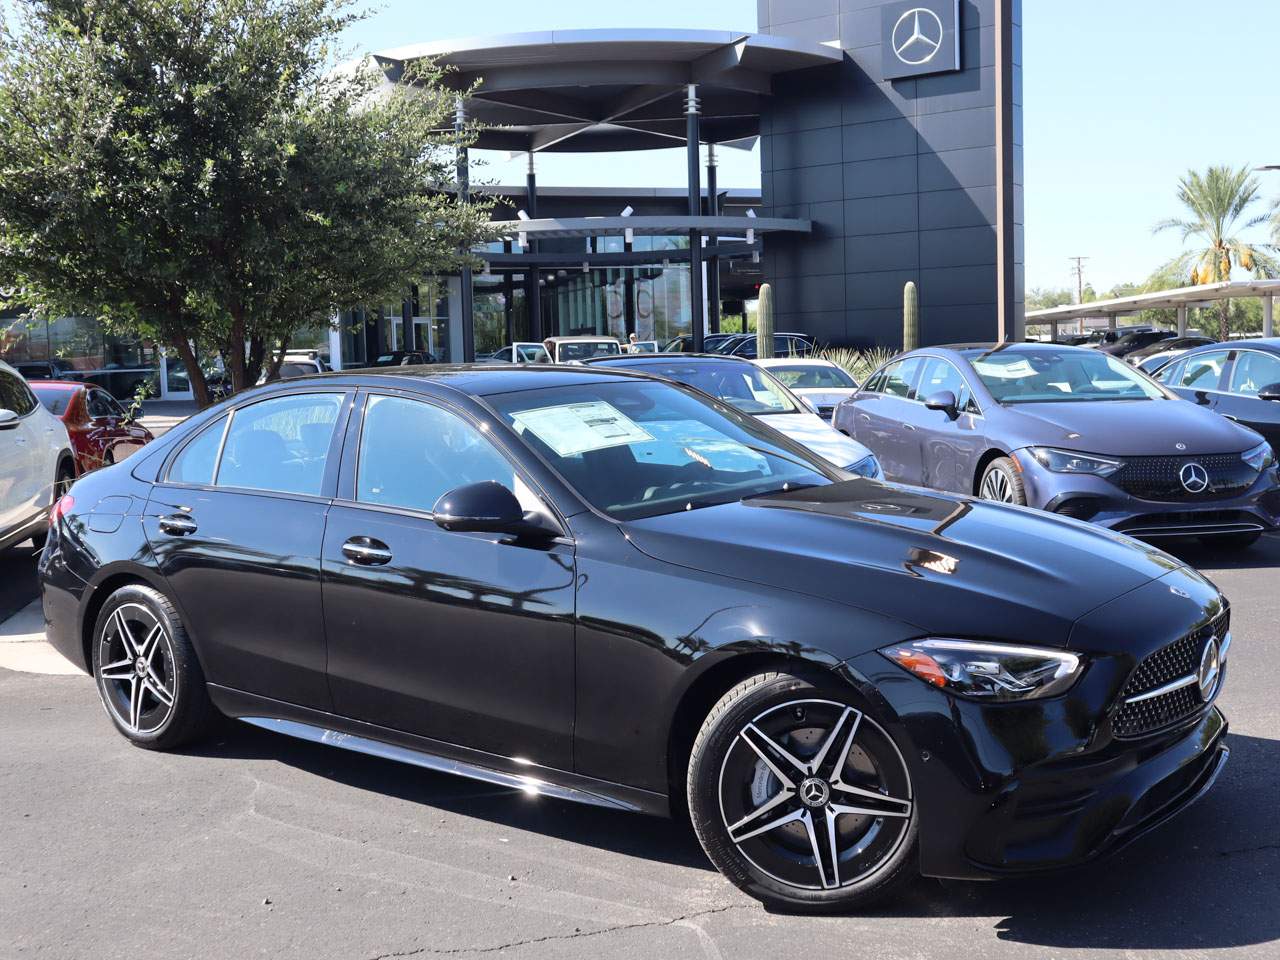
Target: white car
(820,382)
(577,349)
(520,352)
(749,389)
(36,464)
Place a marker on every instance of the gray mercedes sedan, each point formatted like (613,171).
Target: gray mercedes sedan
(1069,430)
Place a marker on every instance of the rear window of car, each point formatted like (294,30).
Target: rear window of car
(806,377)
(55,401)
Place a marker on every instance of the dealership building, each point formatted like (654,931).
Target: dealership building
(890,139)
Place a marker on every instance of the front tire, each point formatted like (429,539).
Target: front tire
(800,798)
(1002,483)
(146,670)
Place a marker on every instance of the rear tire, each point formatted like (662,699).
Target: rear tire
(147,673)
(800,798)
(62,482)
(1002,483)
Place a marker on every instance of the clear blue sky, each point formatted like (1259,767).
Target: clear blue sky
(1121,97)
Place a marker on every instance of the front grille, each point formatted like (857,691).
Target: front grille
(1172,662)
(1158,478)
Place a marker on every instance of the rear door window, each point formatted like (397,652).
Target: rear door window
(281,444)
(199,458)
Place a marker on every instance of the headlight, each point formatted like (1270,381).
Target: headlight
(868,466)
(988,671)
(1260,457)
(1068,461)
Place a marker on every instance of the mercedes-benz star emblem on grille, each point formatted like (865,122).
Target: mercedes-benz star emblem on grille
(1194,477)
(1210,667)
(917,36)
(1179,446)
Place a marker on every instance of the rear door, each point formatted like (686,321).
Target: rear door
(237,526)
(1251,371)
(466,638)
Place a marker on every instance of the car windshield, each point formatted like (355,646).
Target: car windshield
(813,376)
(645,448)
(742,385)
(584,349)
(1057,376)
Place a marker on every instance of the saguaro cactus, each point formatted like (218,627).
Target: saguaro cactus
(764,323)
(910,317)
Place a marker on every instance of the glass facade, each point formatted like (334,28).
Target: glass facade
(84,350)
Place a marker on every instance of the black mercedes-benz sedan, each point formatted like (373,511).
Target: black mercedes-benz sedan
(598,586)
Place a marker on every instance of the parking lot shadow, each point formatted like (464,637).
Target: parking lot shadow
(653,838)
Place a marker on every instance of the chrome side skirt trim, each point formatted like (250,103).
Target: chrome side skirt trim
(375,748)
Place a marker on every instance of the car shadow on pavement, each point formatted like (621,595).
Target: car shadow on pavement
(653,838)
(1208,879)
(1205,556)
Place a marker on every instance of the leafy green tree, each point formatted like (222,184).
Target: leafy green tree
(1221,206)
(199,171)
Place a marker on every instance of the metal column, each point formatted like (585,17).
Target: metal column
(532,288)
(713,263)
(1182,320)
(1268,316)
(695,209)
(466,306)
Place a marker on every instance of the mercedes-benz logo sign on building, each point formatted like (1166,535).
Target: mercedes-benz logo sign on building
(920,37)
(1210,668)
(917,37)
(1194,477)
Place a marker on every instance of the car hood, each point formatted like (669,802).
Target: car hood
(942,564)
(1129,427)
(810,430)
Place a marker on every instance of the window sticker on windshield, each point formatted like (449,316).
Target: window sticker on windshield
(573,428)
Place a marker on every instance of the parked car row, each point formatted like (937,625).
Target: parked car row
(598,585)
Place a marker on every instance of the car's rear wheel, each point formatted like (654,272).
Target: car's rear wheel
(62,482)
(147,673)
(1002,483)
(800,797)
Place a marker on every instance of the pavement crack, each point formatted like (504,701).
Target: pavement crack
(551,938)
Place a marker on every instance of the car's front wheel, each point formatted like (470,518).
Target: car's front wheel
(800,797)
(1002,482)
(148,676)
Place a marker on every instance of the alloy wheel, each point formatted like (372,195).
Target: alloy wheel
(815,794)
(996,486)
(137,669)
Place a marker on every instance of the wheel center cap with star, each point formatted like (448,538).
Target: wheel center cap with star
(140,666)
(815,792)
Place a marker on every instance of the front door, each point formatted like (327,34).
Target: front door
(465,638)
(949,448)
(241,514)
(883,421)
(1251,373)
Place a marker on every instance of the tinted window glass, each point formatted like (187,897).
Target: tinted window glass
(55,401)
(412,453)
(899,377)
(280,444)
(15,395)
(1204,371)
(875,383)
(583,349)
(1253,371)
(939,375)
(301,368)
(742,385)
(99,405)
(1170,373)
(643,448)
(196,461)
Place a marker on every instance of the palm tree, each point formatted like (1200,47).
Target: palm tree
(1219,204)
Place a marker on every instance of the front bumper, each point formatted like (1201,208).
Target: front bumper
(1098,500)
(1007,789)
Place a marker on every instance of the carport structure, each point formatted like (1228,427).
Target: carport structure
(1180,299)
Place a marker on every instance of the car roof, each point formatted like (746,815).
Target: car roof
(793,361)
(640,359)
(479,380)
(594,338)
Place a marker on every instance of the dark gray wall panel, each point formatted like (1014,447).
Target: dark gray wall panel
(943,209)
(805,148)
(880,178)
(879,139)
(953,169)
(884,251)
(881,215)
(940,286)
(808,184)
(882,288)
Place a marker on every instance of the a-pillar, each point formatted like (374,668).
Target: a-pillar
(713,262)
(466,302)
(692,138)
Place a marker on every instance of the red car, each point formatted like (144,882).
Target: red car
(101,432)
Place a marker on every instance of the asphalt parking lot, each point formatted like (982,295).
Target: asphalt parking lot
(257,845)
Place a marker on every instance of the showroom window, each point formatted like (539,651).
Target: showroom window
(412,453)
(280,444)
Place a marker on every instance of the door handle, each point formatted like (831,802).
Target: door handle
(366,551)
(178,524)
(910,426)
(863,416)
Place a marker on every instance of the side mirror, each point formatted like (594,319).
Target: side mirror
(1270,392)
(943,400)
(8,420)
(489,507)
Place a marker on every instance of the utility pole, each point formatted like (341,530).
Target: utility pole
(1078,270)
